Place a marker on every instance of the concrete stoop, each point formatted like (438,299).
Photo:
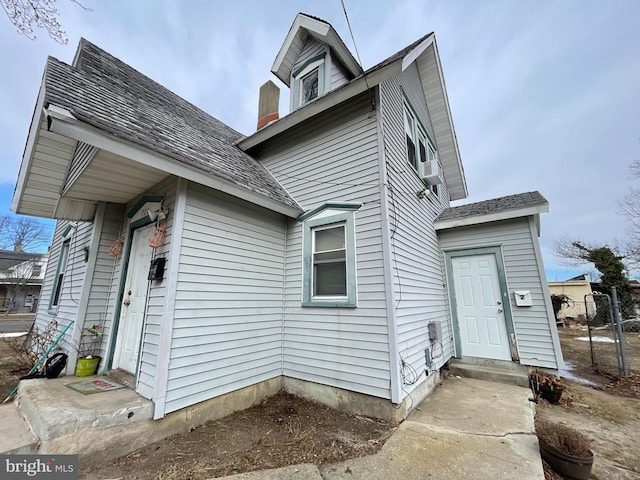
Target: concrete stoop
(48,417)
(492,370)
(16,436)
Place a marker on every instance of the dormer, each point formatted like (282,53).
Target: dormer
(313,60)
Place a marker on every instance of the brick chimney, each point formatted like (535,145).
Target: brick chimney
(268,103)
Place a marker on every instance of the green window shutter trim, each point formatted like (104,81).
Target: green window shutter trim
(308,62)
(348,218)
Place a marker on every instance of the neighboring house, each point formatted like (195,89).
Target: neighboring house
(21,275)
(575,288)
(319,254)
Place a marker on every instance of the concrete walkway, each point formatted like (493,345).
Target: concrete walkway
(466,429)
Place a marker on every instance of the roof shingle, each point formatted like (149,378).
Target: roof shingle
(494,205)
(108,94)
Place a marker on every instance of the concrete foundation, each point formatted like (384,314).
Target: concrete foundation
(358,403)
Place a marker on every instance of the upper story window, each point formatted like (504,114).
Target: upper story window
(309,90)
(308,80)
(421,153)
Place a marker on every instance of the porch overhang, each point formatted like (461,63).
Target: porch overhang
(466,221)
(69,166)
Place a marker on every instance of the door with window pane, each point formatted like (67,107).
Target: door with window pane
(329,261)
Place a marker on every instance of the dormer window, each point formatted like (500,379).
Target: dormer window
(308,80)
(309,90)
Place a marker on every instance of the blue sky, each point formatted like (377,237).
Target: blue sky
(545,95)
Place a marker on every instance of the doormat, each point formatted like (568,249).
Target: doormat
(95,385)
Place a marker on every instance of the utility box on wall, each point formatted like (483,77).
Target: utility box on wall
(435,331)
(523,298)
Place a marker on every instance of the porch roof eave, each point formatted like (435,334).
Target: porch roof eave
(466,221)
(46,195)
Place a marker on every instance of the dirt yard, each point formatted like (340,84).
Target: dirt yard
(609,414)
(286,430)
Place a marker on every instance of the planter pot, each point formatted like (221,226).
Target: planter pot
(551,396)
(573,468)
(87,366)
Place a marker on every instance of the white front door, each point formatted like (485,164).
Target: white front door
(481,320)
(134,302)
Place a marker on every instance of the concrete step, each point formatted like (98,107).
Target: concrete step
(15,435)
(54,410)
(492,370)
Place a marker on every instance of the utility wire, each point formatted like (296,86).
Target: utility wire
(344,9)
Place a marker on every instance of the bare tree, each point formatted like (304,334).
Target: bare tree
(630,207)
(22,233)
(25,14)
(18,236)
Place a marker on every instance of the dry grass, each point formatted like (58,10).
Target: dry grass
(563,438)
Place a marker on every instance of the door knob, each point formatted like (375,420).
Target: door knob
(499,310)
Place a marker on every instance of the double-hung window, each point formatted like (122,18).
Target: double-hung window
(329,261)
(61,269)
(329,257)
(420,150)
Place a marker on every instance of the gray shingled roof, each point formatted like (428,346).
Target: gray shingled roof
(108,94)
(495,205)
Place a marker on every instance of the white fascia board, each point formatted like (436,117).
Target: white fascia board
(320,105)
(29,150)
(301,21)
(66,124)
(453,131)
(413,55)
(491,217)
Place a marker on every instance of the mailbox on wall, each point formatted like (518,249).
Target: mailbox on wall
(523,298)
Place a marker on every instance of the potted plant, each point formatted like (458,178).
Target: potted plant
(85,249)
(546,385)
(566,450)
(88,358)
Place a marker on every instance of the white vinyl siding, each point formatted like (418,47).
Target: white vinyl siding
(156,297)
(106,276)
(82,157)
(337,75)
(418,275)
(335,158)
(533,333)
(67,308)
(228,310)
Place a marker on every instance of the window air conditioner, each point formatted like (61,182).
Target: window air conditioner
(432,173)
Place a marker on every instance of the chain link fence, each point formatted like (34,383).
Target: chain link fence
(614,329)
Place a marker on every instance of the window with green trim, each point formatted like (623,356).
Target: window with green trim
(60,270)
(308,80)
(420,150)
(329,261)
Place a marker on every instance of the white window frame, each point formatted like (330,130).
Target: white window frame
(315,262)
(316,63)
(413,126)
(312,224)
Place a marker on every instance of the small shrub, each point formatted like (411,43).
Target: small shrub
(563,438)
